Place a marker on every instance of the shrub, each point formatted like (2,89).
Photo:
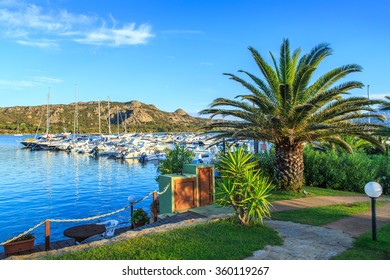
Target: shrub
(24,237)
(348,172)
(266,161)
(139,216)
(175,159)
(243,188)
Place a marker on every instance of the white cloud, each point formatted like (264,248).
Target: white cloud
(30,82)
(114,37)
(32,25)
(40,44)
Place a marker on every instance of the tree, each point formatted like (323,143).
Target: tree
(386,105)
(287,109)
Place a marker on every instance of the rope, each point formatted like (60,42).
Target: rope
(83,219)
(20,235)
(88,218)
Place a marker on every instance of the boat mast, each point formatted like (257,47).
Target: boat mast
(47,113)
(100,125)
(76,113)
(368,97)
(117,118)
(109,116)
(124,122)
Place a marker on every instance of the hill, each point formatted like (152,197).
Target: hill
(131,116)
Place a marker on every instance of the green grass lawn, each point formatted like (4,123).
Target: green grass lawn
(311,191)
(318,216)
(364,248)
(221,240)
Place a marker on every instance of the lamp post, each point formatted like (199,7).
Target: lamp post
(131,199)
(373,190)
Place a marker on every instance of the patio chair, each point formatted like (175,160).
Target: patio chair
(92,238)
(110,227)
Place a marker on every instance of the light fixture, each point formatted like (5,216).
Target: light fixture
(131,199)
(373,190)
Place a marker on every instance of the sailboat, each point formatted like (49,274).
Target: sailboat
(18,134)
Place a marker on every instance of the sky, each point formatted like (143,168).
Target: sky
(173,53)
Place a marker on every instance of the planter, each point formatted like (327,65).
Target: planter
(137,225)
(19,246)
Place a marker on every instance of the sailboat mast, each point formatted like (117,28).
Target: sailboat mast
(76,113)
(47,113)
(117,118)
(368,97)
(109,116)
(100,125)
(124,122)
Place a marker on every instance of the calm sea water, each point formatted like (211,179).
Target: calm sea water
(40,185)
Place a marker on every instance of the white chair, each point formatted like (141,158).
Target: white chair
(110,227)
(92,238)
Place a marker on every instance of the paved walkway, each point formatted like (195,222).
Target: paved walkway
(314,201)
(305,242)
(356,225)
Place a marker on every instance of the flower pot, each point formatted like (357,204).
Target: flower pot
(137,225)
(19,246)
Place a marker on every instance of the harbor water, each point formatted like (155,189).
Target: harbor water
(40,185)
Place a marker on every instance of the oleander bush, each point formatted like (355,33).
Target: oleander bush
(343,171)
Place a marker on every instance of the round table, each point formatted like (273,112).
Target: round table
(81,232)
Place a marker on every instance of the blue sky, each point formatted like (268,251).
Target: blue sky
(172,53)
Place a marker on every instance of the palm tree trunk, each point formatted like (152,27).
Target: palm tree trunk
(288,169)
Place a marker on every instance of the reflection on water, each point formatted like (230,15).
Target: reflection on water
(39,185)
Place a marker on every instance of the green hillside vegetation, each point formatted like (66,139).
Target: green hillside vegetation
(131,116)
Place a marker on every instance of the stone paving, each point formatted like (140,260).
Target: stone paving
(304,242)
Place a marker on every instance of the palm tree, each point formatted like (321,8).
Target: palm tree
(286,109)
(386,105)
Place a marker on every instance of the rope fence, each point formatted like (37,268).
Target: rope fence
(84,219)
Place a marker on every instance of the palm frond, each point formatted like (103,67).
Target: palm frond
(386,104)
(338,141)
(268,72)
(330,78)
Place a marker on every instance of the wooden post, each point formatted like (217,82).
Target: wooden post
(155,206)
(47,235)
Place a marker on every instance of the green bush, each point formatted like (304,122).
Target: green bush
(175,159)
(266,161)
(347,172)
(243,187)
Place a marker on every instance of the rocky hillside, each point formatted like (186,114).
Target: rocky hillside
(132,116)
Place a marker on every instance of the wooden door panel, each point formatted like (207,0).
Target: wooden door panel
(184,193)
(205,181)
